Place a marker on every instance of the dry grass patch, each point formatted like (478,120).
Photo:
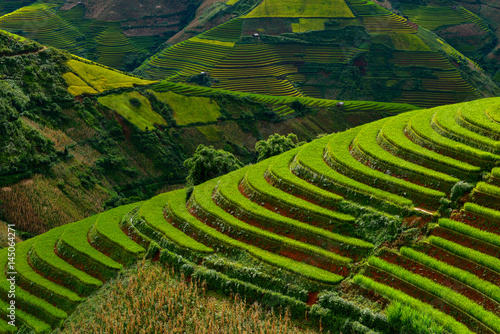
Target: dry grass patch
(151,299)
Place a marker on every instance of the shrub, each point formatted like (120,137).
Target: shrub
(208,163)
(275,144)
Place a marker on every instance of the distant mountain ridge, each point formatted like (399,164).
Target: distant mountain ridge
(355,50)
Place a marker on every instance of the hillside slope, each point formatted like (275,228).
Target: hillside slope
(115,138)
(314,214)
(469,26)
(359,51)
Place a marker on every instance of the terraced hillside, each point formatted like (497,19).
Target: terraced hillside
(470,27)
(315,213)
(97,40)
(357,51)
(97,137)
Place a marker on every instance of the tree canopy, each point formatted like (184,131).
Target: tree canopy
(207,163)
(276,144)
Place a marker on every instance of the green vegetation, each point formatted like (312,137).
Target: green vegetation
(40,22)
(101,78)
(108,236)
(434,17)
(448,322)
(254,178)
(340,158)
(47,262)
(463,276)
(474,116)
(411,320)
(177,206)
(139,113)
(470,231)
(152,212)
(366,144)
(445,124)
(298,8)
(190,110)
(208,163)
(496,172)
(275,144)
(74,245)
(467,253)
(281,177)
(113,46)
(77,86)
(488,189)
(228,188)
(202,197)
(408,42)
(311,158)
(29,303)
(420,125)
(41,287)
(448,295)
(482,211)
(392,137)
(110,310)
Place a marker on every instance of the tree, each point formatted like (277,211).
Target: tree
(207,163)
(276,144)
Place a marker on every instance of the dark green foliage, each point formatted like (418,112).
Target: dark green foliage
(135,102)
(165,151)
(208,163)
(363,319)
(201,79)
(275,144)
(255,275)
(405,319)
(32,88)
(460,189)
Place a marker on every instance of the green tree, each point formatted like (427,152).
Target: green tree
(276,144)
(207,163)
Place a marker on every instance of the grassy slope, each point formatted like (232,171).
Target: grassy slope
(301,8)
(189,110)
(142,116)
(211,220)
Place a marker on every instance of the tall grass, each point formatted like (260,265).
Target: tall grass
(150,299)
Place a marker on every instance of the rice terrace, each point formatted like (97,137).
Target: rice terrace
(250,166)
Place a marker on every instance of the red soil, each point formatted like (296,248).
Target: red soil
(466,241)
(456,261)
(426,297)
(295,192)
(312,298)
(477,221)
(288,232)
(268,245)
(293,213)
(442,279)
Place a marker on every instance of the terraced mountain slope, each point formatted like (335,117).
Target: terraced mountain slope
(316,213)
(354,50)
(97,137)
(112,32)
(470,27)
(108,42)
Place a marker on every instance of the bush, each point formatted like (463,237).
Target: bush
(275,144)
(135,102)
(460,189)
(208,163)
